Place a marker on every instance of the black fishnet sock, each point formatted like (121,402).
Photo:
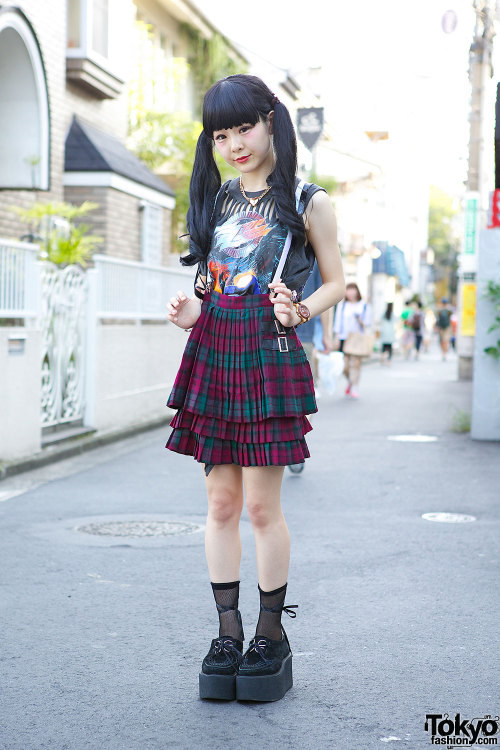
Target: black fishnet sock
(269,623)
(226,599)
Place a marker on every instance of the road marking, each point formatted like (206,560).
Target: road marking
(448,517)
(413,438)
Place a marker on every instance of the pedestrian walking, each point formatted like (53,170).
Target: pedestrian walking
(429,324)
(417,325)
(352,320)
(408,337)
(387,334)
(454,326)
(443,325)
(245,386)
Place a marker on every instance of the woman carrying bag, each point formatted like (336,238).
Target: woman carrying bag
(352,321)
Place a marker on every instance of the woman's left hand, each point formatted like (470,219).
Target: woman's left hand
(284,309)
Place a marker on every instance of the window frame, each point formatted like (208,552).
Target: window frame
(86,51)
(148,211)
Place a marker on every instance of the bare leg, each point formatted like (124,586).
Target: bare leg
(355,369)
(272,539)
(222,535)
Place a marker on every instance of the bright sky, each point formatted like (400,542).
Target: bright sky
(387,64)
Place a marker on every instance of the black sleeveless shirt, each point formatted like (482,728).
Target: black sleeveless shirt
(247,244)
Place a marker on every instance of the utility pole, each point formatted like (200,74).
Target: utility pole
(480,177)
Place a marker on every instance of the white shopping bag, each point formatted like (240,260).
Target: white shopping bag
(330,366)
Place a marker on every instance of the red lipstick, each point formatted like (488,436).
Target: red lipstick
(243,159)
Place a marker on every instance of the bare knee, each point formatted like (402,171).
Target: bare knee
(224,506)
(260,513)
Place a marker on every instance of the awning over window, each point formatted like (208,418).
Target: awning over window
(392,262)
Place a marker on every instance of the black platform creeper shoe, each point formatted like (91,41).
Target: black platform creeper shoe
(219,668)
(265,672)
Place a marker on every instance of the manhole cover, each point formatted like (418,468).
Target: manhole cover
(413,438)
(448,517)
(139,528)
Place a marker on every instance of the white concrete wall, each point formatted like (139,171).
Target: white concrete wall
(135,369)
(485,423)
(20,386)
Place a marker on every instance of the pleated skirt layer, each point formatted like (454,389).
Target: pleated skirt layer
(242,395)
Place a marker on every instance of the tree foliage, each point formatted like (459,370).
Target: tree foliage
(165,138)
(493,295)
(62,241)
(210,60)
(443,235)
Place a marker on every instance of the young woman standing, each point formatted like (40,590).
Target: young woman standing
(244,386)
(352,316)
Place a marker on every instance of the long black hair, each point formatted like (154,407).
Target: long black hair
(231,102)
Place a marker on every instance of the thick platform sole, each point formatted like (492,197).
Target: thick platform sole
(270,687)
(220,687)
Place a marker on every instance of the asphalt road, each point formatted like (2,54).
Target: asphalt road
(103,636)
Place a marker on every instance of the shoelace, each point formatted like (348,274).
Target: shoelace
(260,645)
(226,646)
(287,608)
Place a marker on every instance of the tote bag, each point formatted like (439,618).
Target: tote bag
(358,343)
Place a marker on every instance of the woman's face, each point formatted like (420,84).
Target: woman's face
(246,147)
(351,294)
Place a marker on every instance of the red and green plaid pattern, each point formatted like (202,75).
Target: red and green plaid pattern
(215,451)
(239,400)
(272,430)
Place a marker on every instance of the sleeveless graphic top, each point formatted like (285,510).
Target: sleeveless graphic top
(247,244)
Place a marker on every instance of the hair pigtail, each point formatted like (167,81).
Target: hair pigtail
(203,187)
(283,176)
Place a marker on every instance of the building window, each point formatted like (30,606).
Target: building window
(88,60)
(74,24)
(24,106)
(100,27)
(151,234)
(88,27)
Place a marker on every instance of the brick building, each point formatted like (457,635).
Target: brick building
(64,67)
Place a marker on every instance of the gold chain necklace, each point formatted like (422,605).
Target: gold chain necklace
(253,201)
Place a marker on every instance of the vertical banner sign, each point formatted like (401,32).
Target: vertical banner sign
(470,238)
(310,125)
(468,321)
(494,210)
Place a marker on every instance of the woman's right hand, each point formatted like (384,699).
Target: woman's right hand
(180,312)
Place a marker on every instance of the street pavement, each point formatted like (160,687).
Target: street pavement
(103,635)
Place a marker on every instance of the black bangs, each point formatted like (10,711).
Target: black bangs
(230,103)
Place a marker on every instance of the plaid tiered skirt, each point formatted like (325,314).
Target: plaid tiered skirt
(243,388)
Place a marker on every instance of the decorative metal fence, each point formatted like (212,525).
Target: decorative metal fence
(66,303)
(63,318)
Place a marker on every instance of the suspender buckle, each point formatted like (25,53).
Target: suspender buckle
(283,343)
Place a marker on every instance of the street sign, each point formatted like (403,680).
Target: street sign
(310,125)
(494,210)
(468,312)
(470,233)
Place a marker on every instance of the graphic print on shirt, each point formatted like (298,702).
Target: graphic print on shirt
(245,250)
